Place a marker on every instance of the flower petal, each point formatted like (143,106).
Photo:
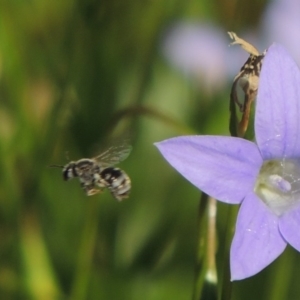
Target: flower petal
(257,240)
(289,226)
(223,167)
(277,118)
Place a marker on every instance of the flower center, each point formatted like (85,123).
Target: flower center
(278,184)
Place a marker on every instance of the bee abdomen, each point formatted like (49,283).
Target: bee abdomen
(117,181)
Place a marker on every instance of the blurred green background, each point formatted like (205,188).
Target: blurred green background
(73,73)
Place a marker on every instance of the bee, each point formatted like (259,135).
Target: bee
(98,173)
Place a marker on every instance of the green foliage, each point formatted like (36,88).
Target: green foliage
(72,74)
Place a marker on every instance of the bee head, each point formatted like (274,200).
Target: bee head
(69,171)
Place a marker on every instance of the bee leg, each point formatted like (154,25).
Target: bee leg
(90,189)
(93,192)
(102,183)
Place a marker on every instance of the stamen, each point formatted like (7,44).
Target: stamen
(278,185)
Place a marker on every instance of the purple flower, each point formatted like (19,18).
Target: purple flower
(200,51)
(263,176)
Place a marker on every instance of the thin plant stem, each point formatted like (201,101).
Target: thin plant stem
(199,264)
(86,250)
(225,283)
(211,275)
(142,110)
(205,286)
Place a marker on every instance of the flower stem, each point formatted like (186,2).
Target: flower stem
(225,283)
(205,286)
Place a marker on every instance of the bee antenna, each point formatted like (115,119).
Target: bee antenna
(56,166)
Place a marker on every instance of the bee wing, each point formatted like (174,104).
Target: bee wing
(113,155)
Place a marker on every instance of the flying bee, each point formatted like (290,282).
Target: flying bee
(98,173)
(116,180)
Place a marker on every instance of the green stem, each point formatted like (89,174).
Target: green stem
(281,284)
(85,256)
(211,275)
(140,110)
(205,286)
(39,276)
(225,283)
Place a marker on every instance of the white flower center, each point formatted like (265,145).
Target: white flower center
(278,184)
